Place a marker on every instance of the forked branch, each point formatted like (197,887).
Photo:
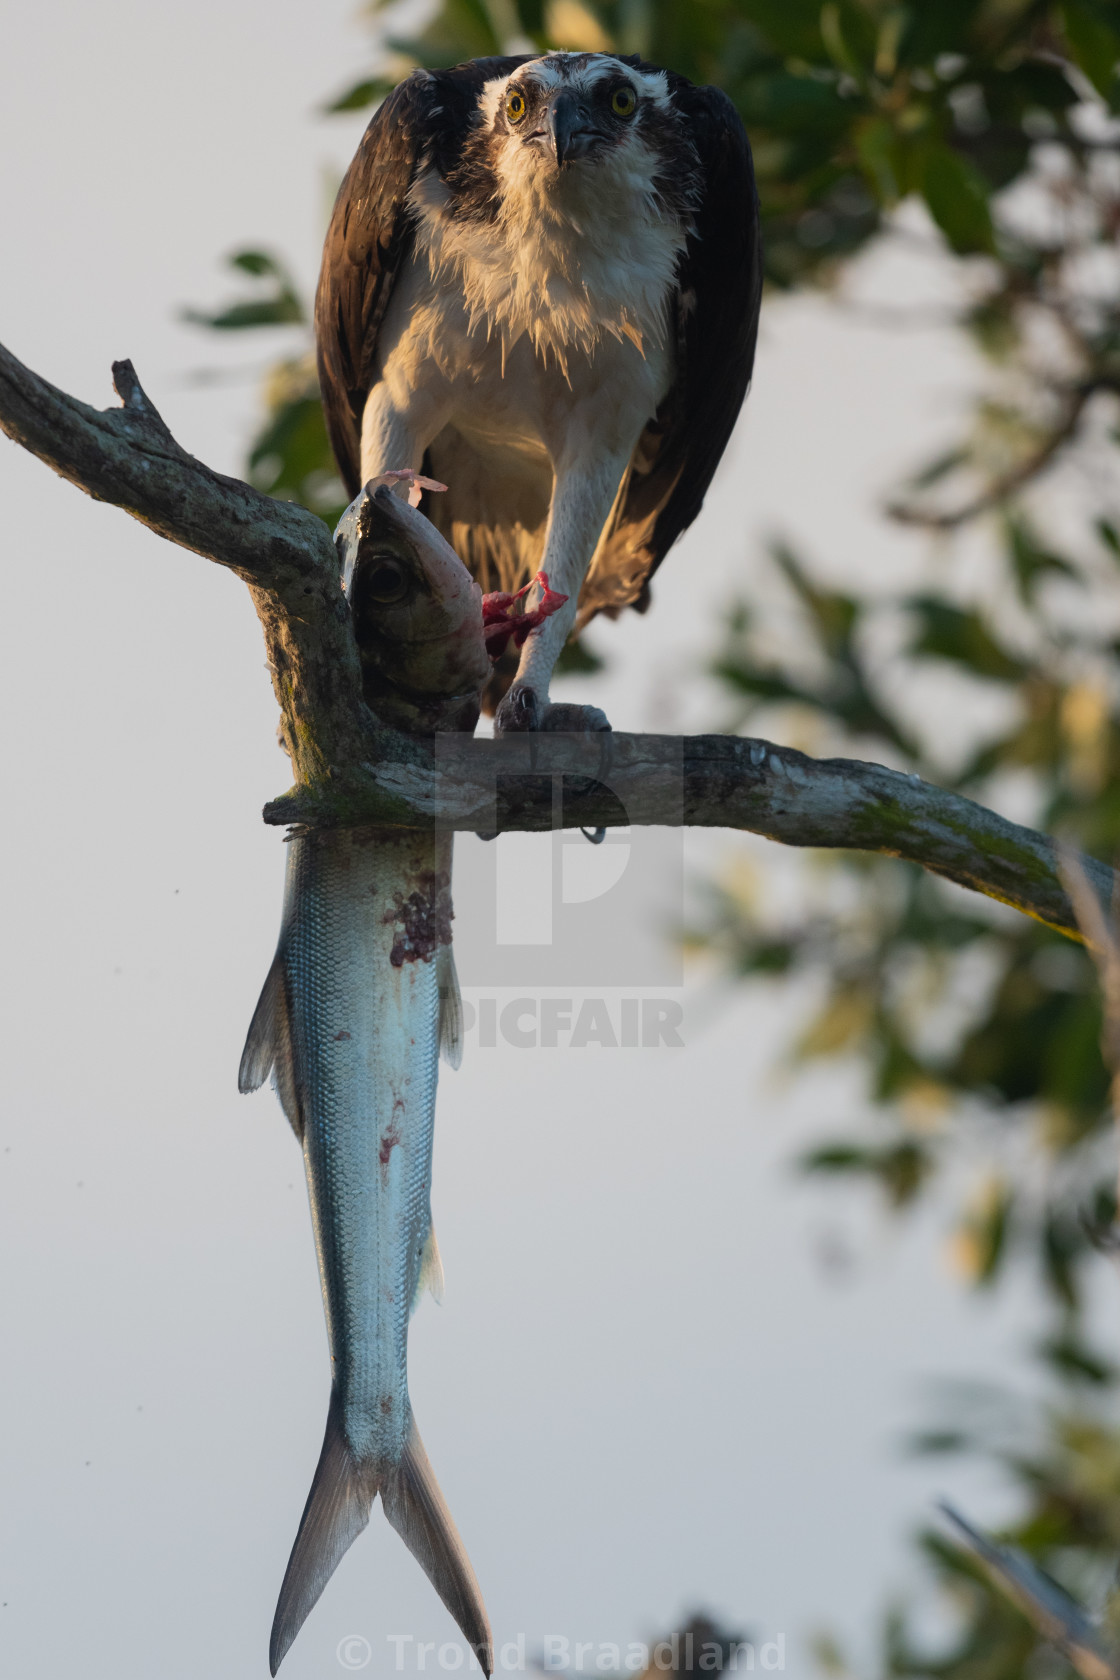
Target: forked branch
(350,770)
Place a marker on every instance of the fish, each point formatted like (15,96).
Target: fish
(360,999)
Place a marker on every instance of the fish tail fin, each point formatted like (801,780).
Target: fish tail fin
(417,1510)
(336,1512)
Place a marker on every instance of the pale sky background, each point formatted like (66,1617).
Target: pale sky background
(644,1392)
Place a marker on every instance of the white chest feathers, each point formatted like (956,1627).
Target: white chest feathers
(566,259)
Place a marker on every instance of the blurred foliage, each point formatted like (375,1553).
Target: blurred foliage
(277,303)
(966,1018)
(1064,1464)
(850,106)
(979,1031)
(290,456)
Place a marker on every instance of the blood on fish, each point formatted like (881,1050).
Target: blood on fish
(388,1143)
(339,1036)
(425,916)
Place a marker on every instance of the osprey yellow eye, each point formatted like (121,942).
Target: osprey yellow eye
(623,101)
(515,107)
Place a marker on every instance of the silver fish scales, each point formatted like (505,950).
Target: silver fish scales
(360,998)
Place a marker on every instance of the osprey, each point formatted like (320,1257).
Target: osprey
(540,285)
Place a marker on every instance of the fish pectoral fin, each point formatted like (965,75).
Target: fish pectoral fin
(336,1512)
(417,1510)
(450,1008)
(269,1047)
(431,1271)
(259,1053)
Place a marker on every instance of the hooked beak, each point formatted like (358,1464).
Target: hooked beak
(571,133)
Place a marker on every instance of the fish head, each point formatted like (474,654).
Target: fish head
(416,610)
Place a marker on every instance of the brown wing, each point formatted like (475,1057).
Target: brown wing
(720,287)
(426,119)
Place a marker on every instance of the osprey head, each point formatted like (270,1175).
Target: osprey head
(569,106)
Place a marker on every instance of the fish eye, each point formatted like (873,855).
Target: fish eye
(515,106)
(384,580)
(623,100)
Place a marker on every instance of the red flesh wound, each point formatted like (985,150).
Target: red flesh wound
(424,918)
(500,624)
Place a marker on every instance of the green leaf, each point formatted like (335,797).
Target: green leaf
(371,91)
(947,632)
(1031,562)
(273,312)
(942,27)
(899,1167)
(934,1441)
(577,659)
(793,104)
(834,615)
(832,34)
(958,200)
(1109,536)
(877,149)
(282,306)
(530,15)
(1071,1357)
(988,1229)
(258,262)
(939,468)
(791,26)
(1094,42)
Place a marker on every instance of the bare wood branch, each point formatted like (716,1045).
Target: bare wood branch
(127,456)
(348,770)
(722,781)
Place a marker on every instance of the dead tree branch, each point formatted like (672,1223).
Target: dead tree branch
(128,457)
(350,770)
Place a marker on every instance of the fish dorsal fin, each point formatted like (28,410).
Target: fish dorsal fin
(431,1271)
(268,1047)
(450,1008)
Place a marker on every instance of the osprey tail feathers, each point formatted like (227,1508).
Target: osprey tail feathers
(337,1511)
